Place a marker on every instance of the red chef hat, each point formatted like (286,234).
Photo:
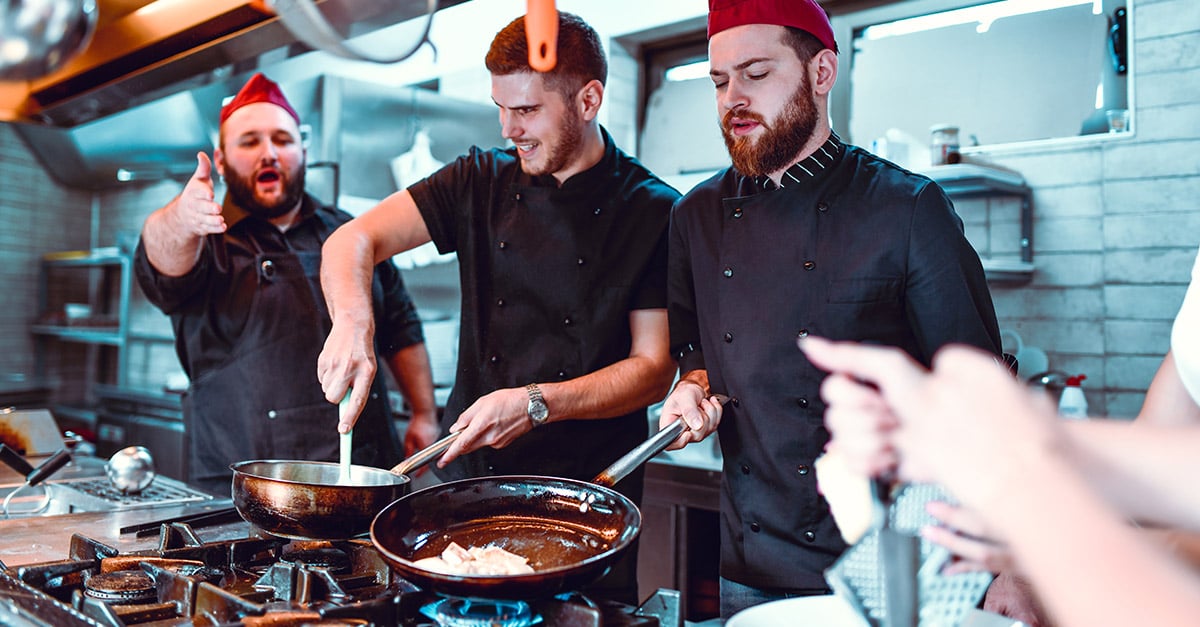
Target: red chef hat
(806,15)
(258,89)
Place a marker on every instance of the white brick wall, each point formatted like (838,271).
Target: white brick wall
(1117,225)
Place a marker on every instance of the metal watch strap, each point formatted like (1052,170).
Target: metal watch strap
(535,397)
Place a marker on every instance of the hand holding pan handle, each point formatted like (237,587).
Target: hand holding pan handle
(644,451)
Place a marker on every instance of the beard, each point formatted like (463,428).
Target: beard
(558,155)
(776,149)
(241,189)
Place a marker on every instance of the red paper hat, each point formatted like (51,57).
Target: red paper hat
(258,89)
(806,15)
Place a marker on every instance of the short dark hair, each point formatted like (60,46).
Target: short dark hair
(579,57)
(803,42)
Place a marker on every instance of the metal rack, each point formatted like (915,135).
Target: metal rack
(965,180)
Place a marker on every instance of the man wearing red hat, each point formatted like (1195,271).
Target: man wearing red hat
(804,234)
(240,283)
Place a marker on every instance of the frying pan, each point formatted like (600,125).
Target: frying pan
(303,500)
(570,531)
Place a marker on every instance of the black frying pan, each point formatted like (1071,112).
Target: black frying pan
(570,531)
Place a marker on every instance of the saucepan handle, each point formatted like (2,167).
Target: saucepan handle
(425,455)
(640,455)
(13,460)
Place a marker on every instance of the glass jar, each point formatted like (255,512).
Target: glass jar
(943,145)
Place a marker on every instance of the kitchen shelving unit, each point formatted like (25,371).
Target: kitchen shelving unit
(84,298)
(968,180)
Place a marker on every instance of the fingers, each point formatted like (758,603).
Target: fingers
(203,171)
(973,553)
(888,368)
(196,212)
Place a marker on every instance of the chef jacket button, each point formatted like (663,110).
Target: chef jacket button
(562,375)
(736,401)
(755,527)
(503,244)
(802,469)
(802,333)
(728,272)
(728,338)
(596,211)
(491,469)
(809,265)
(810,536)
(737,213)
(745,469)
(495,359)
(579,262)
(822,206)
(499,302)
(518,197)
(268,268)
(802,402)
(567,321)
(271,414)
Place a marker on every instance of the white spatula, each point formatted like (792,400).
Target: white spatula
(345,440)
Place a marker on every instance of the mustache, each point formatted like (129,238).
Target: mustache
(744,114)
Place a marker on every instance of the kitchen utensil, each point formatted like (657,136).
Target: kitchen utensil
(302,500)
(899,557)
(570,531)
(345,443)
(541,34)
(40,36)
(858,575)
(309,25)
(131,469)
(33,476)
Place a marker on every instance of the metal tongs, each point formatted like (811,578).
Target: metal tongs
(899,560)
(33,476)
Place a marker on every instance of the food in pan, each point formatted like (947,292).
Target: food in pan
(488,560)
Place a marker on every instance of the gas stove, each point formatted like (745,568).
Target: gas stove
(264,580)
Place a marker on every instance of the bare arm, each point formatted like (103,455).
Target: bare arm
(174,235)
(1167,401)
(638,380)
(348,261)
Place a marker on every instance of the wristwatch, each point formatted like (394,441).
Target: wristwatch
(537,409)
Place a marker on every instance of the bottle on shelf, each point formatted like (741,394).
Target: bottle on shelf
(1073,404)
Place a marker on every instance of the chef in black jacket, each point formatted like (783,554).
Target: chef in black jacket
(240,283)
(561,243)
(804,234)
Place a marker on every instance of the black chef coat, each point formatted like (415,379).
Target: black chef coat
(250,321)
(862,251)
(549,277)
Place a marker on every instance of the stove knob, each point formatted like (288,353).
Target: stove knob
(131,469)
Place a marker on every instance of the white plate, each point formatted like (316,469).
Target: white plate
(825,611)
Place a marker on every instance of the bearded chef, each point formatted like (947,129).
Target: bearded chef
(240,283)
(804,234)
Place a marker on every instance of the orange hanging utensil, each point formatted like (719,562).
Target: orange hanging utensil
(541,32)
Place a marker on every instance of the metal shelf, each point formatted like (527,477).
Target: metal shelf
(93,335)
(968,180)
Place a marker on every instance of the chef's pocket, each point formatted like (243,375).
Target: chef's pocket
(865,290)
(306,432)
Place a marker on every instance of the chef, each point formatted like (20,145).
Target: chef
(804,234)
(240,283)
(561,243)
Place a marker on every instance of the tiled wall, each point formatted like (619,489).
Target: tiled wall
(1116,224)
(1116,227)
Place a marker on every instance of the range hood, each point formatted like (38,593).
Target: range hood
(142,96)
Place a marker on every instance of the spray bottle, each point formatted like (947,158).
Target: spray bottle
(1073,404)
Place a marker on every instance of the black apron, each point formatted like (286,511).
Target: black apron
(265,402)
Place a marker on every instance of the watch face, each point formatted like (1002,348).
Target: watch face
(538,412)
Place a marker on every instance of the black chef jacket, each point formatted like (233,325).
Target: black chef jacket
(250,321)
(549,277)
(862,251)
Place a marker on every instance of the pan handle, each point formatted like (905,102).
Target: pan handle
(425,455)
(640,455)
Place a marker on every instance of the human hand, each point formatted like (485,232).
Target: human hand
(965,425)
(966,537)
(195,212)
(495,420)
(701,414)
(422,431)
(1012,596)
(347,361)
